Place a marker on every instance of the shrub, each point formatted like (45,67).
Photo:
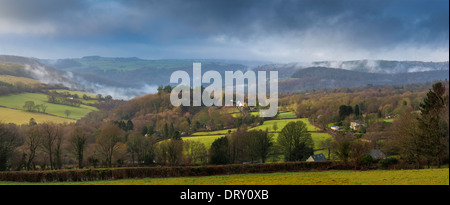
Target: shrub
(385,163)
(367,160)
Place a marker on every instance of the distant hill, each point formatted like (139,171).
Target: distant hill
(125,78)
(324,77)
(138,73)
(92,83)
(384,66)
(367,66)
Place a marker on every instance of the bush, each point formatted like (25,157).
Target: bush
(385,163)
(143,172)
(367,160)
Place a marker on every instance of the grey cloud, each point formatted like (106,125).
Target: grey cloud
(346,24)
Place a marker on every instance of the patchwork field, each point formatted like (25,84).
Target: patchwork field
(80,95)
(374,177)
(208,138)
(17,101)
(8,115)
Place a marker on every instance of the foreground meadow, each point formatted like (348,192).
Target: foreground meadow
(337,177)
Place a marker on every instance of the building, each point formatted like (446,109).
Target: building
(317,158)
(355,125)
(377,154)
(335,128)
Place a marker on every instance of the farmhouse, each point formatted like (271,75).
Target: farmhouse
(377,154)
(355,125)
(335,128)
(317,158)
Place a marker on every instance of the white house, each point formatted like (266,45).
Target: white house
(335,128)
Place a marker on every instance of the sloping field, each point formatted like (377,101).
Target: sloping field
(17,101)
(80,95)
(281,123)
(8,115)
(14,80)
(206,140)
(283,115)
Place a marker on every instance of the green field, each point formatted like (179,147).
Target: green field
(335,177)
(206,140)
(283,115)
(388,120)
(17,101)
(281,123)
(8,115)
(14,80)
(217,132)
(266,125)
(80,95)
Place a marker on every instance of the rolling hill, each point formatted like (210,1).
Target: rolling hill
(23,79)
(126,78)
(324,77)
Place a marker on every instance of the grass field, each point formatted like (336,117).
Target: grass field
(283,115)
(72,92)
(17,101)
(14,80)
(8,115)
(388,120)
(267,124)
(80,95)
(281,123)
(335,177)
(206,140)
(217,132)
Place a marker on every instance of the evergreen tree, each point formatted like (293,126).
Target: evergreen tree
(219,151)
(433,141)
(356,111)
(129,125)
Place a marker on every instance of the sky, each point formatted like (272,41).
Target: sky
(280,31)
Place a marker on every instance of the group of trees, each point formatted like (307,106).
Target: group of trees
(369,103)
(18,87)
(58,99)
(294,143)
(54,146)
(417,136)
(242,146)
(30,106)
(424,136)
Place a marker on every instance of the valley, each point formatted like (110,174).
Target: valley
(338,115)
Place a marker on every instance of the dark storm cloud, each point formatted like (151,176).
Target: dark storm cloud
(327,24)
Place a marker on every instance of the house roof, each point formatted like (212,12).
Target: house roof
(376,153)
(318,157)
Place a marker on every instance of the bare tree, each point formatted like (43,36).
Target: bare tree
(33,141)
(141,147)
(108,140)
(10,139)
(51,135)
(78,139)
